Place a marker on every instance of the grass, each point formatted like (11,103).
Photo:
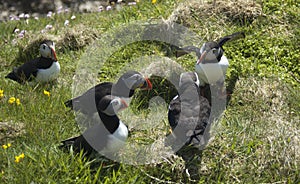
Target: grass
(256,141)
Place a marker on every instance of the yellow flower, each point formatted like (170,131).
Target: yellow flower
(47,93)
(11,100)
(22,155)
(19,158)
(18,102)
(153,1)
(4,146)
(1,93)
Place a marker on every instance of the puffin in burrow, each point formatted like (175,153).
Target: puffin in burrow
(124,87)
(45,68)
(107,136)
(212,64)
(188,113)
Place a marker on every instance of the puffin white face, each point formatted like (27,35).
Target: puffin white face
(115,105)
(137,81)
(48,51)
(212,55)
(210,52)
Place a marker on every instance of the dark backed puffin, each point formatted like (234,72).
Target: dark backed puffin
(107,136)
(189,112)
(124,87)
(211,64)
(42,69)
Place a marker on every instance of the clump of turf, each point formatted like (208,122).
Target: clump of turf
(234,11)
(77,38)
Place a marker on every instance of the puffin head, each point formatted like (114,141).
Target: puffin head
(212,52)
(110,105)
(134,80)
(47,49)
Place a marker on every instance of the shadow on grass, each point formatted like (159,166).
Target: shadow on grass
(193,158)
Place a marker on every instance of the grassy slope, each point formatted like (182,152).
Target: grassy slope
(256,142)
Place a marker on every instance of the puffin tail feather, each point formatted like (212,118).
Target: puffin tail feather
(69,103)
(66,144)
(15,76)
(12,75)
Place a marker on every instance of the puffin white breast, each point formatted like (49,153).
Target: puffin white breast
(49,74)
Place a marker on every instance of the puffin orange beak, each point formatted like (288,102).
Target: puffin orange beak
(201,57)
(54,54)
(147,85)
(124,104)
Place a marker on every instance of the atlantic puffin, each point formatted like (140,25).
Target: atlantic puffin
(124,87)
(45,68)
(107,136)
(188,113)
(211,64)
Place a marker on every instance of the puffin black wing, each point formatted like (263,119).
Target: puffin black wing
(231,37)
(187,50)
(188,113)
(24,72)
(86,103)
(174,111)
(124,87)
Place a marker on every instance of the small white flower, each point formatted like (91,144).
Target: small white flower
(13,17)
(43,31)
(16,30)
(22,15)
(66,10)
(27,16)
(108,8)
(23,31)
(49,14)
(59,10)
(131,3)
(22,34)
(49,26)
(73,17)
(66,22)
(100,8)
(36,18)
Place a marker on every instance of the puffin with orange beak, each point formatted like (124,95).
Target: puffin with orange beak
(127,84)
(42,69)
(211,63)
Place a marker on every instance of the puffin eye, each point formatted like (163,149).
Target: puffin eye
(115,102)
(44,47)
